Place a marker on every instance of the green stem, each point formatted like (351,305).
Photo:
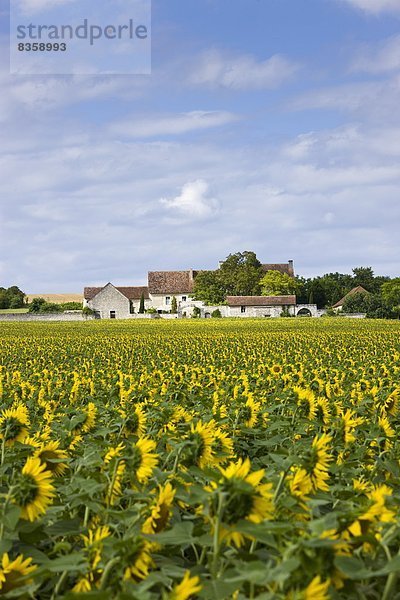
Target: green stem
(216,541)
(106,573)
(86,517)
(280,484)
(59,584)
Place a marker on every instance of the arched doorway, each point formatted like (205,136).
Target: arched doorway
(304,312)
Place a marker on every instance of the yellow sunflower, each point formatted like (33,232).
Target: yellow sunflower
(134,421)
(317,590)
(248,414)
(317,461)
(245,497)
(116,469)
(140,561)
(300,484)
(222,447)
(347,425)
(51,456)
(306,400)
(144,459)
(188,587)
(161,510)
(14,423)
(199,451)
(90,412)
(14,574)
(34,491)
(376,514)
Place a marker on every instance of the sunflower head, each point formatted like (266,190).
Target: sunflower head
(14,574)
(161,510)
(188,587)
(142,459)
(199,449)
(34,490)
(14,423)
(239,494)
(138,560)
(52,456)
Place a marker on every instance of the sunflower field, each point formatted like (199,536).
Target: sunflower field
(225,459)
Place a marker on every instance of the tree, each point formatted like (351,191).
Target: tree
(141,304)
(36,305)
(391,292)
(174,306)
(16,297)
(208,288)
(364,276)
(391,295)
(240,274)
(4,300)
(275,283)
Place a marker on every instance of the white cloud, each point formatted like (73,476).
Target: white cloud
(241,72)
(172,124)
(375,7)
(193,202)
(379,59)
(368,100)
(35,6)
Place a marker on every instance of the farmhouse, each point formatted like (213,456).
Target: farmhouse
(114,302)
(357,290)
(261,306)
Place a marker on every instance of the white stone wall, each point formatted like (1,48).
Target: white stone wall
(259,311)
(159,301)
(110,299)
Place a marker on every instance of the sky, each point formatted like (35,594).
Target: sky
(265,125)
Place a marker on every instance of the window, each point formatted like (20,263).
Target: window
(112,314)
(184,298)
(167,300)
(242,309)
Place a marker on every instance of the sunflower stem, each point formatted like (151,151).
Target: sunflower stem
(202,555)
(86,517)
(280,484)
(216,540)
(107,571)
(3,445)
(59,584)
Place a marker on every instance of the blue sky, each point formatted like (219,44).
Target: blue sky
(266,125)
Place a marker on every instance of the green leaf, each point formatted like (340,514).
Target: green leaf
(180,534)
(66,527)
(70,562)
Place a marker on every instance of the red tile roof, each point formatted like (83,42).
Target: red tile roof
(132,293)
(357,290)
(286,268)
(171,282)
(260,300)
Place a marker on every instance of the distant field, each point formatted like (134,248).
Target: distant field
(57,298)
(4,311)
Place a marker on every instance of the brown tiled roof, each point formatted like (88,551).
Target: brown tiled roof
(281,267)
(171,282)
(132,293)
(357,290)
(260,300)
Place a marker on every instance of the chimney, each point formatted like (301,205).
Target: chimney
(291,267)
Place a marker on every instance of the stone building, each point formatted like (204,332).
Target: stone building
(261,306)
(111,302)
